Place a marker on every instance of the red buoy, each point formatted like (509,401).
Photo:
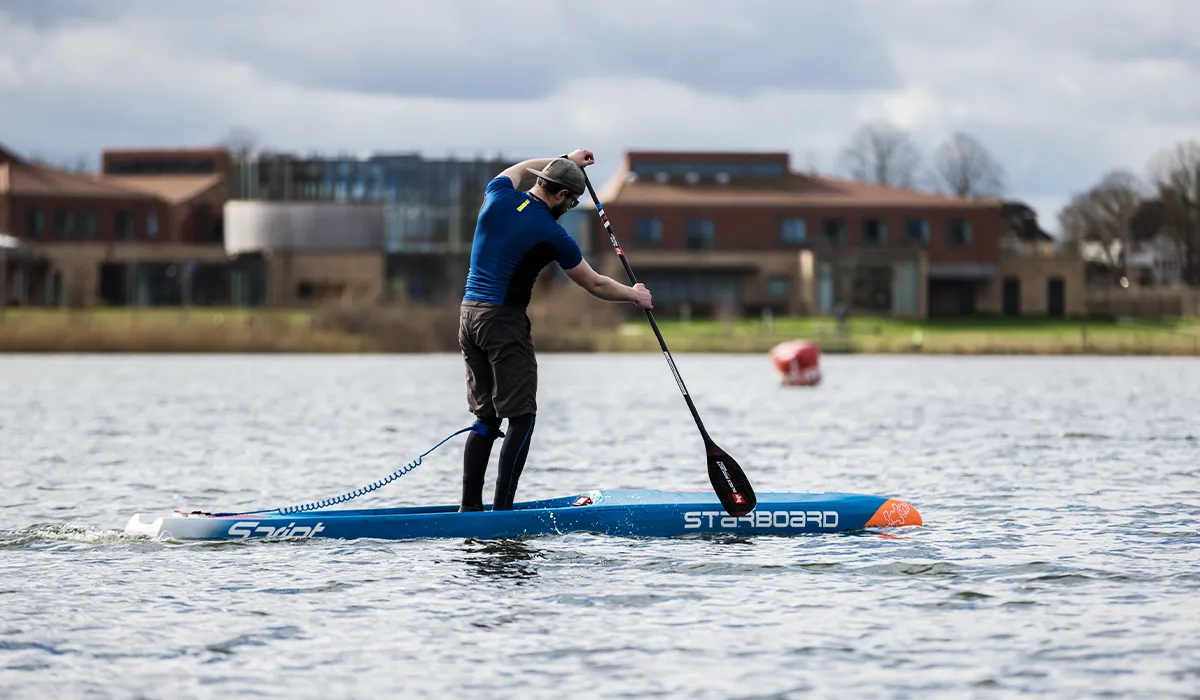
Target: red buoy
(798,362)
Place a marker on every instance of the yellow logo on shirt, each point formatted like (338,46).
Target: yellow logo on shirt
(523,205)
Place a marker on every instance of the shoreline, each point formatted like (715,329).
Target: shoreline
(432,330)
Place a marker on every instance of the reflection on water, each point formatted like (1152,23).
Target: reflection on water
(506,559)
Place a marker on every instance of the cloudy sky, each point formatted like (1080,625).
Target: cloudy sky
(1060,90)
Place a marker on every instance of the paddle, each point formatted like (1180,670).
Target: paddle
(728,479)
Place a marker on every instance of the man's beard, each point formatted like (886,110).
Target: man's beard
(560,209)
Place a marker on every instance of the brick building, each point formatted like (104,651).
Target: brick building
(194,183)
(129,238)
(743,231)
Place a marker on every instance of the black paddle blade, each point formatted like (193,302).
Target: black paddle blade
(730,482)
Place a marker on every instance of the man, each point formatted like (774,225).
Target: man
(517,235)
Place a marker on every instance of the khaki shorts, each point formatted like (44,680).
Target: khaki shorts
(497,344)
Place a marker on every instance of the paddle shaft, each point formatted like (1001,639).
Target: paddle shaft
(649,316)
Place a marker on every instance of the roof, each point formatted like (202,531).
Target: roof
(7,156)
(793,189)
(175,189)
(18,177)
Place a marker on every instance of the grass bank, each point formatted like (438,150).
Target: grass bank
(421,329)
(957,336)
(223,330)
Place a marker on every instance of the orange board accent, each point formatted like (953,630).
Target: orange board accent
(895,513)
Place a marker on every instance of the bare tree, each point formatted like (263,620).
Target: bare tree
(1176,177)
(241,142)
(964,167)
(1103,216)
(81,165)
(883,154)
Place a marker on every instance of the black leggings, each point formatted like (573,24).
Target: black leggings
(512,461)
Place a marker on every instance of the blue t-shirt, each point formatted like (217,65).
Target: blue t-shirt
(516,236)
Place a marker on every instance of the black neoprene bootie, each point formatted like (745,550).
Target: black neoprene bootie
(475,462)
(512,460)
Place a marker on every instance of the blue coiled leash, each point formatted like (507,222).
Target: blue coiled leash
(476,427)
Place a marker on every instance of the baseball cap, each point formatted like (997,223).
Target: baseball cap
(563,172)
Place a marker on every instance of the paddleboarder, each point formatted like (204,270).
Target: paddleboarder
(516,236)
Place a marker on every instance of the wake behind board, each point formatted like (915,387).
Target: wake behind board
(628,513)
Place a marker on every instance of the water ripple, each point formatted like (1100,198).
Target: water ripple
(1059,556)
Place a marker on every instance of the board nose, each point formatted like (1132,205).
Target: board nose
(895,513)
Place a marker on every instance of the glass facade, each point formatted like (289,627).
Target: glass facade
(693,286)
(905,289)
(167,284)
(825,291)
(431,204)
(873,287)
(577,222)
(883,287)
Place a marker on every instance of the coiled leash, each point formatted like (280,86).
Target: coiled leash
(475,427)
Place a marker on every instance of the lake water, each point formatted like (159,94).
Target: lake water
(1060,555)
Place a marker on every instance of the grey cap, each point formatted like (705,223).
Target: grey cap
(563,172)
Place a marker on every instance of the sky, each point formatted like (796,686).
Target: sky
(1059,91)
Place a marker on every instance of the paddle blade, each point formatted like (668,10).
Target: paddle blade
(730,482)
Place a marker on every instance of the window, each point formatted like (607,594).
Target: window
(1012,296)
(152,225)
(833,230)
(700,234)
(917,230)
(958,232)
(155,166)
(710,169)
(648,231)
(64,223)
(693,287)
(779,286)
(873,286)
(123,222)
(793,231)
(35,222)
(826,296)
(874,231)
(91,225)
